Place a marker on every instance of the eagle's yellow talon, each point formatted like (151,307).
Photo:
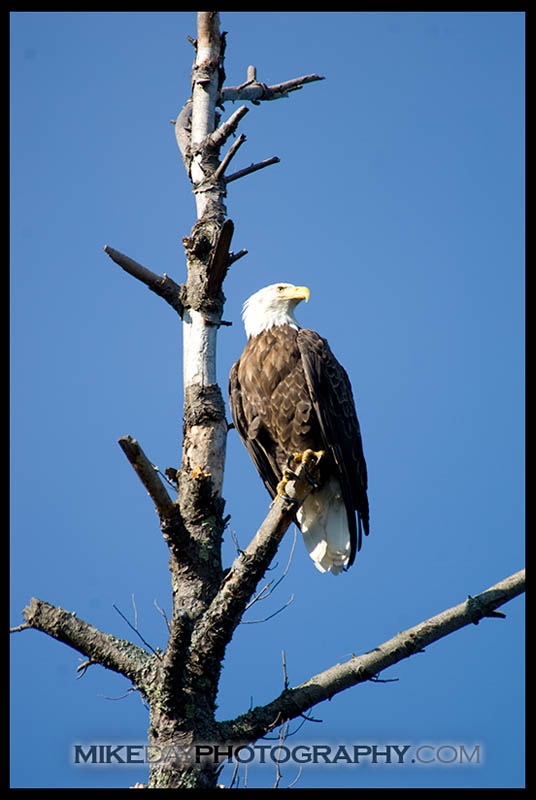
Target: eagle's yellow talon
(280,489)
(199,472)
(315,455)
(307,457)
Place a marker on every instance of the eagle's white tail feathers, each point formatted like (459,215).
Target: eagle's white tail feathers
(324,525)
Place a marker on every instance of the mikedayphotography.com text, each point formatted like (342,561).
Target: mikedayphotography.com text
(99,754)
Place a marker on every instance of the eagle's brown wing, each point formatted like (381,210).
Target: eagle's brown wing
(333,401)
(265,465)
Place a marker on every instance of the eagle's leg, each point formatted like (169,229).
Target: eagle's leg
(307,457)
(310,457)
(288,475)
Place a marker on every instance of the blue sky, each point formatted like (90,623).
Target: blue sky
(399,201)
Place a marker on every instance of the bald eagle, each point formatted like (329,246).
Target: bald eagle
(289,394)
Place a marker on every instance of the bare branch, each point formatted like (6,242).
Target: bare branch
(229,155)
(164,286)
(226,129)
(235,256)
(252,168)
(295,701)
(255,92)
(148,475)
(116,654)
(23,627)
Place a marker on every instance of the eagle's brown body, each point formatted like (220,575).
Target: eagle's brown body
(288,394)
(278,416)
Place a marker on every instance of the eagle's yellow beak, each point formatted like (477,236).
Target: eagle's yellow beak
(300,293)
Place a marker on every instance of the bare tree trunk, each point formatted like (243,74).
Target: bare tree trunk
(188,675)
(205,435)
(180,685)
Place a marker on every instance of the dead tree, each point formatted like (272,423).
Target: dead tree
(180,684)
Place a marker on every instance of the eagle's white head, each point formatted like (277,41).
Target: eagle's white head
(274,305)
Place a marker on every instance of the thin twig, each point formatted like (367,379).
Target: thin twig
(84,666)
(267,590)
(234,775)
(296,779)
(135,612)
(136,631)
(165,478)
(119,697)
(261,595)
(289,562)
(270,587)
(282,736)
(285,678)
(308,718)
(234,537)
(270,616)
(300,725)
(164,615)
